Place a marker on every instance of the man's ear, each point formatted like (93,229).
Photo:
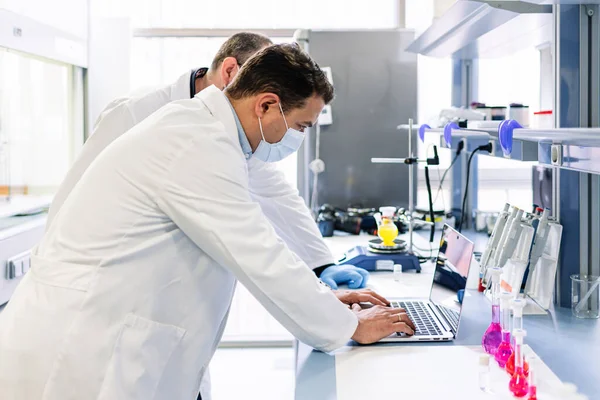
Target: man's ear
(229,69)
(264,102)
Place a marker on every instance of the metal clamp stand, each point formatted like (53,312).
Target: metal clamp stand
(410,161)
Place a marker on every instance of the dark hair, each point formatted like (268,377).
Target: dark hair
(241,46)
(285,70)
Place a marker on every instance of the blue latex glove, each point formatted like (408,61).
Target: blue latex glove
(460,295)
(335,275)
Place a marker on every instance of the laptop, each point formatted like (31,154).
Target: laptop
(437,319)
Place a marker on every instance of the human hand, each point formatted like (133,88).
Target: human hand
(361,296)
(378,322)
(335,275)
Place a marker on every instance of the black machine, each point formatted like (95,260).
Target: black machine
(353,220)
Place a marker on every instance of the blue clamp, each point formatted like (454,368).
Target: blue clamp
(422,131)
(448,133)
(505,135)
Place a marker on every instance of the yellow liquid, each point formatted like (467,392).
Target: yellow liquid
(387,232)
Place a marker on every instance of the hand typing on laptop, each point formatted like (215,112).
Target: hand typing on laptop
(378,322)
(361,296)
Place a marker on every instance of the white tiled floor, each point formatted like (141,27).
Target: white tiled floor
(261,374)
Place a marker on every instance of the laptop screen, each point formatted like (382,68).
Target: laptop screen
(451,269)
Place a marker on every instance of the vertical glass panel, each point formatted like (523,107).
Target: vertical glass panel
(37,125)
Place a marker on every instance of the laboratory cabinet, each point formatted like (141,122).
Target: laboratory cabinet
(18,236)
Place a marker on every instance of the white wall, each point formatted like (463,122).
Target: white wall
(67,15)
(109,63)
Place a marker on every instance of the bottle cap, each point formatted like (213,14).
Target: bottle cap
(505,298)
(484,360)
(387,212)
(517,305)
(568,388)
(398,268)
(519,333)
(496,272)
(532,360)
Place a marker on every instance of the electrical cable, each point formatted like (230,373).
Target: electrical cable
(459,149)
(431,250)
(431,214)
(488,148)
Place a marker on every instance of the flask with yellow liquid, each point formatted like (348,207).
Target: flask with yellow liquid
(386,229)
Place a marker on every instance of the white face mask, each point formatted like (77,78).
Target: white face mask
(273,152)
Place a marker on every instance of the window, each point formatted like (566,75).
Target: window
(41,124)
(513,79)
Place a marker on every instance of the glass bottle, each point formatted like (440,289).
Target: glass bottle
(493,335)
(518,384)
(505,350)
(517,307)
(387,229)
(484,372)
(533,371)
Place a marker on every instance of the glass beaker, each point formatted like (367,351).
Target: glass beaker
(585,296)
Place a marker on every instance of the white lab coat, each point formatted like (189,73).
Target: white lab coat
(279,201)
(129,289)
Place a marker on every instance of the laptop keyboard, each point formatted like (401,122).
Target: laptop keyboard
(421,316)
(452,316)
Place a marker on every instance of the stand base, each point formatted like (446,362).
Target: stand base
(361,257)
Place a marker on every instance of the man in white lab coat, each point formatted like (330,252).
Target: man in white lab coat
(280,202)
(128,292)
(278,199)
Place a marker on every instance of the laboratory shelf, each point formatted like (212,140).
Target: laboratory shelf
(479,29)
(576,149)
(582,136)
(522,150)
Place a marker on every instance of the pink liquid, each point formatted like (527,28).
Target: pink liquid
(504,350)
(493,335)
(532,393)
(510,366)
(518,383)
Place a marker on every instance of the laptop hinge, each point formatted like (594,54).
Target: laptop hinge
(444,320)
(446,317)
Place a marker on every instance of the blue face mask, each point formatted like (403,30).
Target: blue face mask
(273,152)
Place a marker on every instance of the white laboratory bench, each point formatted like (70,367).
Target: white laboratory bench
(568,347)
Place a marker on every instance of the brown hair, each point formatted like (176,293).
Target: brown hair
(241,46)
(285,70)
